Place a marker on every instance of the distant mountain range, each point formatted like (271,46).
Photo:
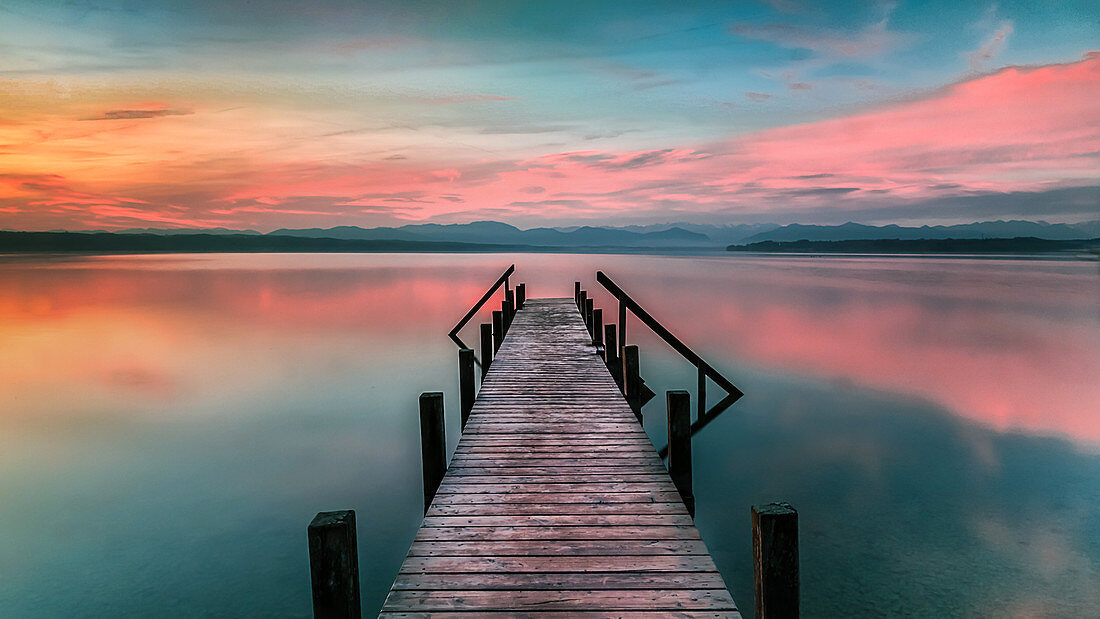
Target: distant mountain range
(656,236)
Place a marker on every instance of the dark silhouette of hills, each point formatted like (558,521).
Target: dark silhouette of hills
(496,232)
(917,246)
(986,229)
(149,243)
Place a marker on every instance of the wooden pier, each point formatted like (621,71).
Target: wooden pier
(555,502)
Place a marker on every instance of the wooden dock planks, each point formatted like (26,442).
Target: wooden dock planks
(555,503)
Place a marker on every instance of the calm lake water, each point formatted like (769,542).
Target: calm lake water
(170,424)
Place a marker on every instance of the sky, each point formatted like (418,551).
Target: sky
(269,114)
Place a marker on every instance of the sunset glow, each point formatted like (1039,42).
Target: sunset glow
(154,115)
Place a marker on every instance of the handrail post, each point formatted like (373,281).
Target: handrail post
(597,327)
(632,380)
(611,356)
(622,327)
(334,565)
(581,304)
(588,307)
(775,560)
(521,295)
(486,348)
(577,293)
(679,445)
(702,393)
(466,383)
(433,444)
(506,313)
(498,330)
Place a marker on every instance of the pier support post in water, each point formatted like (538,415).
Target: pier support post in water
(466,383)
(632,380)
(581,302)
(775,560)
(597,327)
(498,330)
(433,444)
(486,348)
(577,293)
(679,445)
(507,311)
(521,296)
(334,565)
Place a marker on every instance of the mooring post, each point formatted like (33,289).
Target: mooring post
(679,445)
(581,304)
(521,296)
(632,380)
(577,293)
(589,305)
(433,444)
(498,330)
(507,311)
(775,560)
(466,383)
(510,297)
(486,347)
(334,565)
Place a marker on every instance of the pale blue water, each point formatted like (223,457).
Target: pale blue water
(170,424)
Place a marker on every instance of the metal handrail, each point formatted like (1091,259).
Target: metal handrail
(503,279)
(705,370)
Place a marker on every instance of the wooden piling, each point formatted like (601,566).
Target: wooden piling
(466,383)
(580,305)
(597,327)
(632,380)
(775,560)
(334,565)
(577,293)
(508,312)
(433,444)
(679,445)
(486,348)
(498,330)
(510,298)
(521,295)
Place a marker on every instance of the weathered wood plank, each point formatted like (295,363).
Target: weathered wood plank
(626,599)
(605,548)
(559,581)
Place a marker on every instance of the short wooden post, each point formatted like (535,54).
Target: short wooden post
(498,330)
(486,348)
(702,389)
(632,380)
(521,296)
(466,383)
(334,565)
(433,444)
(679,445)
(775,560)
(510,298)
(507,312)
(588,307)
(577,293)
(580,306)
(597,327)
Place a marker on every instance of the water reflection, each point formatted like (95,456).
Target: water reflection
(171,423)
